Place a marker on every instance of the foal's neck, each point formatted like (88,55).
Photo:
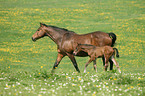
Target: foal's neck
(88,48)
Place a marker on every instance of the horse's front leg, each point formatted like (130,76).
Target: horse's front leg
(59,58)
(72,58)
(103,59)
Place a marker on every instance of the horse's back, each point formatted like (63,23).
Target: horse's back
(97,38)
(102,38)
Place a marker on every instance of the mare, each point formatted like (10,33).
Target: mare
(95,52)
(67,42)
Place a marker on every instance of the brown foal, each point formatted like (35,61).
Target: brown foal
(95,52)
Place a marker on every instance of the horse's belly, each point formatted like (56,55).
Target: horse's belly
(82,54)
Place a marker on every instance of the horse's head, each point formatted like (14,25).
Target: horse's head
(41,32)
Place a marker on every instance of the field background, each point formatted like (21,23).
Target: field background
(25,65)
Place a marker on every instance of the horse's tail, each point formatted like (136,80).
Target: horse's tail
(113,37)
(117,53)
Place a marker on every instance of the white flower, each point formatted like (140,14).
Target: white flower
(43,89)
(64,84)
(1,78)
(17,83)
(20,92)
(80,88)
(89,91)
(88,83)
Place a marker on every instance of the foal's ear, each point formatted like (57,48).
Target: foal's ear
(79,44)
(41,24)
(76,43)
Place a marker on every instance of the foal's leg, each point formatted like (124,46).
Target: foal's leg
(59,58)
(106,66)
(95,67)
(106,62)
(117,65)
(87,64)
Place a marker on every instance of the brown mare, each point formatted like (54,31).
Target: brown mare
(94,52)
(67,41)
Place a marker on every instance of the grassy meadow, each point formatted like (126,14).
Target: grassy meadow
(25,65)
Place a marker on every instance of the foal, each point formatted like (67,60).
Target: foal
(94,52)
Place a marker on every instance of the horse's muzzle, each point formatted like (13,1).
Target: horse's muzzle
(33,39)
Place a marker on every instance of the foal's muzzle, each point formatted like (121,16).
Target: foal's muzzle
(33,39)
(74,53)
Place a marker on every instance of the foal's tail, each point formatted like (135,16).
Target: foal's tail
(117,53)
(113,37)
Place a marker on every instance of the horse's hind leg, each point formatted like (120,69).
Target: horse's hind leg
(111,64)
(117,65)
(103,59)
(59,58)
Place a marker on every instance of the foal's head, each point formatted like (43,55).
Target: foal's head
(41,32)
(79,48)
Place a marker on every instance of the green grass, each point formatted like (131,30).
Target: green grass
(25,66)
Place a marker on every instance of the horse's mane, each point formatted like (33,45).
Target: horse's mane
(57,28)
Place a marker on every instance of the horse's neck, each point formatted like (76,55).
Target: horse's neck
(56,36)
